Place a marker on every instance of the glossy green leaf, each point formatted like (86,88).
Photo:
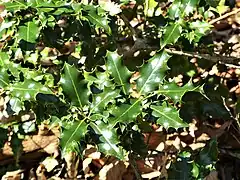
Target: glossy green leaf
(99,21)
(151,8)
(168,116)
(29,32)
(181,169)
(16,104)
(74,132)
(4,78)
(100,101)
(118,71)
(4,57)
(209,153)
(125,113)
(188,6)
(14,5)
(109,139)
(171,35)
(74,86)
(174,10)
(200,29)
(28,89)
(175,92)
(152,73)
(179,8)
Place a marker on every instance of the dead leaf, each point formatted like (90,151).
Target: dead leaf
(113,171)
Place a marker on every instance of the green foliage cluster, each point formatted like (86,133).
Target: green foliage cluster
(95,94)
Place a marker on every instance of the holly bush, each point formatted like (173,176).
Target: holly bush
(106,71)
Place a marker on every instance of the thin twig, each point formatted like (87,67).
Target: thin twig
(213,58)
(224,16)
(133,163)
(125,20)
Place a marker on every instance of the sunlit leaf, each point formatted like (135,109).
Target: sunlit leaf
(101,100)
(74,86)
(109,140)
(14,5)
(151,8)
(28,89)
(74,132)
(119,72)
(171,35)
(16,104)
(175,92)
(152,73)
(29,32)
(125,113)
(99,21)
(168,116)
(174,10)
(4,78)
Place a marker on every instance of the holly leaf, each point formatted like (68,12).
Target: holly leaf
(100,101)
(73,133)
(118,71)
(171,35)
(29,32)
(168,116)
(152,73)
(15,5)
(109,139)
(99,21)
(209,153)
(74,86)
(125,113)
(4,78)
(28,90)
(173,91)
(150,8)
(174,10)
(16,105)
(188,6)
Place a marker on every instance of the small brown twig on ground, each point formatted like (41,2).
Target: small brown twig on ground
(224,16)
(213,58)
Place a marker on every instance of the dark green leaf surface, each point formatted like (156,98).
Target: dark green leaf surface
(126,113)
(168,116)
(3,137)
(171,35)
(99,21)
(109,139)
(209,154)
(119,72)
(74,86)
(28,90)
(175,92)
(100,101)
(29,32)
(74,132)
(152,73)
